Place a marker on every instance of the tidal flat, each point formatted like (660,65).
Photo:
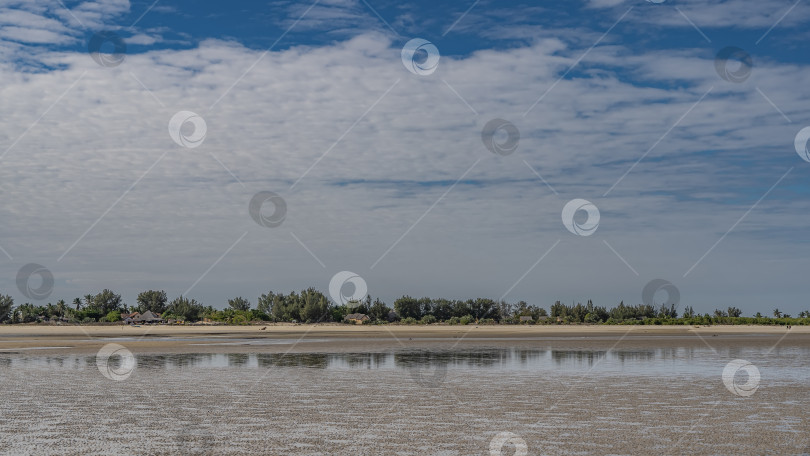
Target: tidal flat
(409,391)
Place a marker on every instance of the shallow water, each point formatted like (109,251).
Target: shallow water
(786,363)
(611,400)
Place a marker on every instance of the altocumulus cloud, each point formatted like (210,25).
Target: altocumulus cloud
(360,149)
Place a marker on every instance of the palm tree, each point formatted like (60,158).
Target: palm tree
(777,313)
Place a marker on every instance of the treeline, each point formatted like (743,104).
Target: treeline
(428,310)
(312,306)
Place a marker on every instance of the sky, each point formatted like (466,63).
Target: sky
(535,151)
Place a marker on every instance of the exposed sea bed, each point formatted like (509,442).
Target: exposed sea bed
(448,402)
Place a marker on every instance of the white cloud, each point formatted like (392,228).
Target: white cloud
(604,3)
(749,14)
(388,165)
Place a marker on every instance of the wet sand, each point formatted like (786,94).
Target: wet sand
(572,407)
(48,339)
(282,411)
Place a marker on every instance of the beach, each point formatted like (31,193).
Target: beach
(343,337)
(407,390)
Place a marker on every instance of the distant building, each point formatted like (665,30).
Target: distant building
(129,318)
(148,317)
(526,319)
(356,318)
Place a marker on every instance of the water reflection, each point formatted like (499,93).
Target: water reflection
(563,357)
(434,363)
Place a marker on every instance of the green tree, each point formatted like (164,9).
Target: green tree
(239,303)
(559,309)
(29,312)
(6,303)
(61,307)
(734,312)
(667,311)
(443,309)
(152,300)
(777,313)
(104,302)
(315,306)
(265,303)
(408,307)
(378,310)
(189,309)
(688,312)
(285,308)
(484,308)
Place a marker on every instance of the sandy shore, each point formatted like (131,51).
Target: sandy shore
(576,390)
(339,337)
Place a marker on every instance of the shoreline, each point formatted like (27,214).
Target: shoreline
(331,337)
(342,328)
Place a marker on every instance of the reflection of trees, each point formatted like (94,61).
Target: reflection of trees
(634,355)
(238,359)
(577,356)
(190,359)
(360,360)
(528,356)
(316,360)
(466,358)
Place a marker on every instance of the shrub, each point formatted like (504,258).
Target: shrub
(428,319)
(239,319)
(113,316)
(409,321)
(453,321)
(466,320)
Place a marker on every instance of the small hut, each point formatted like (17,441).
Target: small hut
(148,317)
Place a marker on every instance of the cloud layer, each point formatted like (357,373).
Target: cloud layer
(380,167)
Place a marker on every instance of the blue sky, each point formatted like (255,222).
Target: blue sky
(384,172)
